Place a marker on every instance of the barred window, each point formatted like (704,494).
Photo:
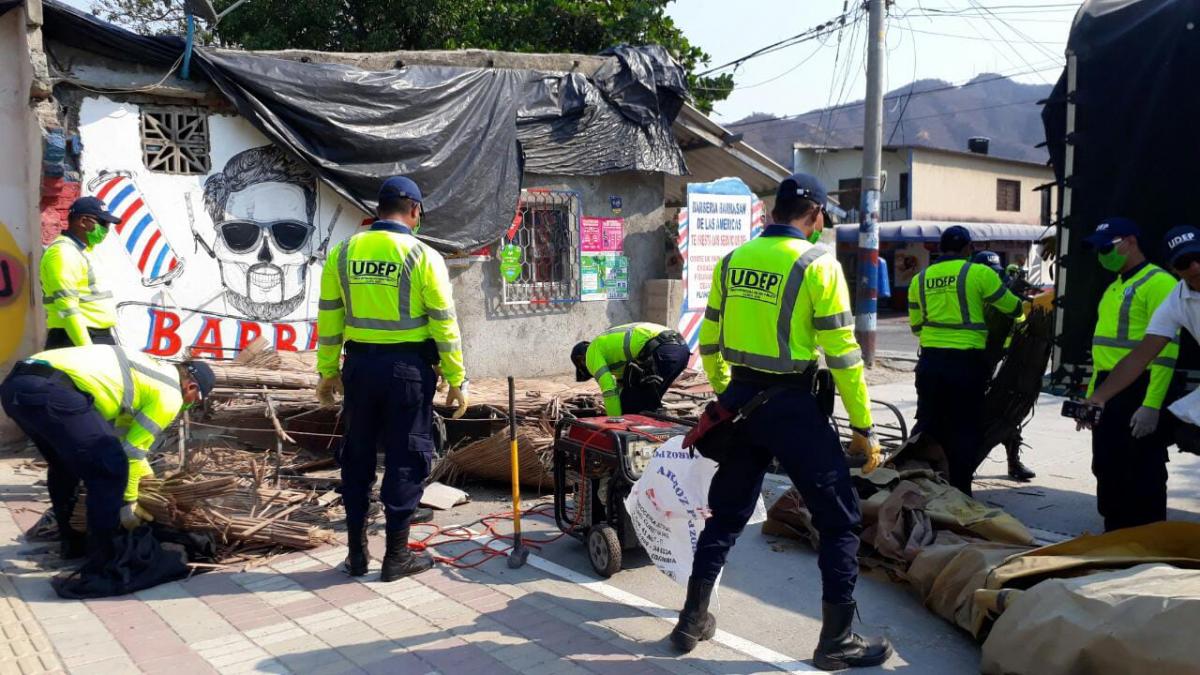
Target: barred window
(547,233)
(175,140)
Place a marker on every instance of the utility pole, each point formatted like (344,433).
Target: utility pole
(868,227)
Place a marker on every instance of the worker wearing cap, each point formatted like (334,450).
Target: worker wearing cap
(1000,328)
(1129,447)
(384,297)
(94,412)
(78,311)
(775,301)
(634,364)
(946,310)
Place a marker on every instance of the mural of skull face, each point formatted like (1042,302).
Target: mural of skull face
(263,244)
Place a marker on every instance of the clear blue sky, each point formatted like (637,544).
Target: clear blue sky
(952,40)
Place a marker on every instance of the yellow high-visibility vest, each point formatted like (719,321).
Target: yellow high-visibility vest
(70,293)
(946,302)
(774,301)
(384,286)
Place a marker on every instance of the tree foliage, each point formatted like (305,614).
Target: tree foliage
(578,26)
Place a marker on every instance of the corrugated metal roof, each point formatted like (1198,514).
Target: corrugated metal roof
(713,152)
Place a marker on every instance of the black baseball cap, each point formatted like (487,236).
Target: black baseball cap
(801,186)
(955,238)
(202,374)
(398,187)
(578,355)
(1182,240)
(91,206)
(1109,229)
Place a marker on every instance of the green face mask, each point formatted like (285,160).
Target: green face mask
(1112,261)
(814,237)
(96,235)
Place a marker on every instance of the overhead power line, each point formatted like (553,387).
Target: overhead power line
(799,38)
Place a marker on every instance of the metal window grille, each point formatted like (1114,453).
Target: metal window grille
(175,140)
(548,235)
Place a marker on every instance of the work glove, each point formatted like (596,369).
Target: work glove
(457,396)
(133,515)
(864,443)
(1144,422)
(327,387)
(1044,301)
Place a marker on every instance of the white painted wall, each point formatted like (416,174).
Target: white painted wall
(959,186)
(199,308)
(834,165)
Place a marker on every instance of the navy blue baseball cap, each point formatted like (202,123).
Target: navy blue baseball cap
(1182,240)
(1109,229)
(955,238)
(202,374)
(399,186)
(801,186)
(91,206)
(989,258)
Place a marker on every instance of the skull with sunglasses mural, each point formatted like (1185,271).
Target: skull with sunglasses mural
(262,206)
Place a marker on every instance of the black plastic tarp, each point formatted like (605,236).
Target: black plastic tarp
(466,135)
(1135,142)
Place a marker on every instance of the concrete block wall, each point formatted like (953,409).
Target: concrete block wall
(662,300)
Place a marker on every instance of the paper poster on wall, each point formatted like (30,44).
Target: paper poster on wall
(604,277)
(719,220)
(909,261)
(601,235)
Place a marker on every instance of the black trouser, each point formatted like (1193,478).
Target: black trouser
(388,406)
(76,442)
(950,391)
(667,361)
(57,338)
(790,427)
(1131,473)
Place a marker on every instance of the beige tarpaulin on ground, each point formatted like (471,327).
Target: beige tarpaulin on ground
(1135,620)
(969,582)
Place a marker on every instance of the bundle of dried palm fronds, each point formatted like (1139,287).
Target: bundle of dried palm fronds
(234,510)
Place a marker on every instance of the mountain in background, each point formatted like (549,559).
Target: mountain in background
(998,108)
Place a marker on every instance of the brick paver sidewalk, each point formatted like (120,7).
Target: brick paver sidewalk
(300,614)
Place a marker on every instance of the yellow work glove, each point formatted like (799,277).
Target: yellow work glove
(1044,301)
(864,443)
(133,515)
(327,387)
(457,396)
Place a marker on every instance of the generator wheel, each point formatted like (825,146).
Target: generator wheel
(604,550)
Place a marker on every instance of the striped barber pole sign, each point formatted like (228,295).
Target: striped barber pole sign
(138,230)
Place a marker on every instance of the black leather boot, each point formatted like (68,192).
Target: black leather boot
(399,561)
(358,559)
(696,623)
(421,515)
(1016,470)
(840,648)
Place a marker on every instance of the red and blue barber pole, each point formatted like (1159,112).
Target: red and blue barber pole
(691,318)
(138,230)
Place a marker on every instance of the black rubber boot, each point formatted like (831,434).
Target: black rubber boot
(421,515)
(399,561)
(840,648)
(1016,470)
(696,623)
(358,559)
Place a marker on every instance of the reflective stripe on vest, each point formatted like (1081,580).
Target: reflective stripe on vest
(1122,340)
(148,424)
(783,363)
(403,287)
(964,308)
(94,293)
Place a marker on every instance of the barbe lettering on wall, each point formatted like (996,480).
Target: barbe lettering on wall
(171,332)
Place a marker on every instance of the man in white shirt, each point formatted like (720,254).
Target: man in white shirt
(1180,310)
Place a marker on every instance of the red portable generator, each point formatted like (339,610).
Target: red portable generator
(596,462)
